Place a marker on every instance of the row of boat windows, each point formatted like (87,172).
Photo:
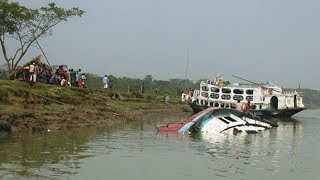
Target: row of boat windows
(227,90)
(224,105)
(227,96)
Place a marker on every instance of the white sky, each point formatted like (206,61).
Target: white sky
(260,40)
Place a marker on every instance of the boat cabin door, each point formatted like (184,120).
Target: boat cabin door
(295,101)
(274,102)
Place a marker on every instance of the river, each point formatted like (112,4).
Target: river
(136,151)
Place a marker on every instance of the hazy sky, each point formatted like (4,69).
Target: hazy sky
(261,40)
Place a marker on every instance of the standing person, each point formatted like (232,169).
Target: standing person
(68,77)
(73,77)
(105,81)
(190,93)
(239,106)
(142,88)
(166,99)
(32,69)
(77,77)
(247,107)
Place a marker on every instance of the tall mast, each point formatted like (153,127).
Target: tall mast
(186,77)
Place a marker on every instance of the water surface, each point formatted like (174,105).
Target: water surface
(137,151)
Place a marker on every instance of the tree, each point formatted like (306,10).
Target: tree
(148,78)
(25,26)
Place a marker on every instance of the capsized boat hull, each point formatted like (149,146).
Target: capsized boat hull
(213,120)
(228,122)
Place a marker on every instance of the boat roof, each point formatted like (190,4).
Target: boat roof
(237,85)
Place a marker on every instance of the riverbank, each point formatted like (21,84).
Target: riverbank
(28,107)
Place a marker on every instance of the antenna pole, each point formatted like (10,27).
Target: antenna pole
(246,80)
(253,82)
(186,77)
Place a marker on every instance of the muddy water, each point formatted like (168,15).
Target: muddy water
(137,151)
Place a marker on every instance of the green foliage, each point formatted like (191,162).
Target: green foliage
(12,15)
(148,78)
(25,26)
(131,87)
(3,75)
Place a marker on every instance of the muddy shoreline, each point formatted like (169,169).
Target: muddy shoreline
(50,108)
(53,117)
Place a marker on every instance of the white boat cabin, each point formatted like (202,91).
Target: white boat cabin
(261,97)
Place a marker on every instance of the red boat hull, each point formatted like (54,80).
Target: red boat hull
(174,127)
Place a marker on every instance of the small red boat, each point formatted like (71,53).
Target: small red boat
(174,127)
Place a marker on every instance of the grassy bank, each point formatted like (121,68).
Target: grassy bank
(28,107)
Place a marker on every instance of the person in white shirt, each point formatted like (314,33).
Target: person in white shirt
(105,81)
(32,69)
(239,106)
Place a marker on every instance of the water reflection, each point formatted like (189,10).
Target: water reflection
(52,154)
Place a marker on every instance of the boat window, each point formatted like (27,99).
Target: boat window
(249,98)
(204,94)
(214,96)
(211,104)
(238,91)
(204,88)
(225,96)
(227,105)
(233,106)
(206,103)
(222,105)
(201,102)
(260,107)
(249,91)
(254,107)
(237,97)
(224,120)
(226,90)
(216,105)
(230,119)
(215,89)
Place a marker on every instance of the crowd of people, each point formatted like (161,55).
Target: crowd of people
(38,73)
(62,76)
